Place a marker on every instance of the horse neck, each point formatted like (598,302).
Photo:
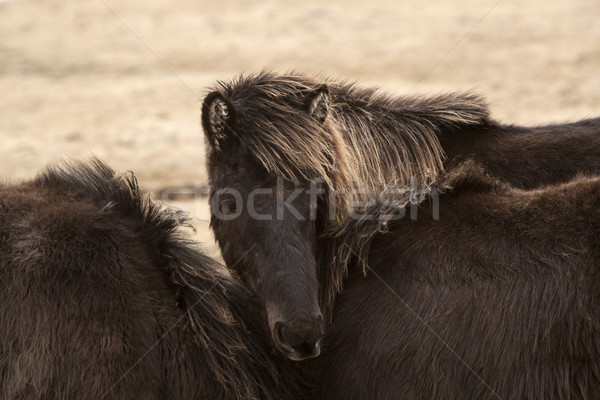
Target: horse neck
(394,142)
(387,149)
(340,248)
(348,243)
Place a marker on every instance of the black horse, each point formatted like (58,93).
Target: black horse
(499,298)
(355,141)
(101,297)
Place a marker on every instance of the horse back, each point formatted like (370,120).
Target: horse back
(548,154)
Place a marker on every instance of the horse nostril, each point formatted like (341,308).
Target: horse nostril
(280,337)
(307,350)
(300,343)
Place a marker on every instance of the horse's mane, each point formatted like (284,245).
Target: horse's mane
(369,141)
(225,323)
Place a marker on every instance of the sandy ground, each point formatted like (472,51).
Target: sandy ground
(124,79)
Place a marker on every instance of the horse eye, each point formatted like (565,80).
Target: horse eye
(228,206)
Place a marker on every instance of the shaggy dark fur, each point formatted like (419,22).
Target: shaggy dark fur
(499,299)
(304,128)
(102,297)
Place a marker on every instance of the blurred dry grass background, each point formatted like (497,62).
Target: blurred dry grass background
(74,80)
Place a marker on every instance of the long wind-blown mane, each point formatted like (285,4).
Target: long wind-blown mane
(225,324)
(356,138)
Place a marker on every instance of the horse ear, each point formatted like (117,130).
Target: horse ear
(318,103)
(217,116)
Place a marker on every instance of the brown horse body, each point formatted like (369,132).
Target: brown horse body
(101,298)
(353,140)
(497,299)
